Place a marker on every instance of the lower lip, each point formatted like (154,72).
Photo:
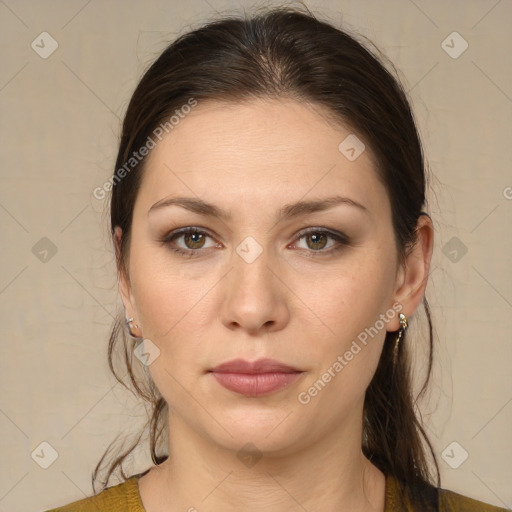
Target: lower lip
(255,384)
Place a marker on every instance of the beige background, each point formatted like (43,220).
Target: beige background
(59,126)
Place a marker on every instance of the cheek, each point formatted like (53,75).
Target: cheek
(346,358)
(166,294)
(350,308)
(175,315)
(349,299)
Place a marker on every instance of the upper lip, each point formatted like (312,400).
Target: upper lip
(254,367)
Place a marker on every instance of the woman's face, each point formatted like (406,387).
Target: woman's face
(299,267)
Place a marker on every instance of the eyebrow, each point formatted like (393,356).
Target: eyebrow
(288,211)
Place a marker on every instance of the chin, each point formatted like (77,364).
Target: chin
(267,430)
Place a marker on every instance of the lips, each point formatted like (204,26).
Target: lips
(255,367)
(256,378)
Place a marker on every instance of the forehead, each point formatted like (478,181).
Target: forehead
(264,151)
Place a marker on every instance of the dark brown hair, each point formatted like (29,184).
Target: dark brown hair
(284,52)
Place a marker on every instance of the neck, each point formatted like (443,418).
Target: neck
(331,475)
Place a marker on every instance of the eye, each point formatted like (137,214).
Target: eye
(193,240)
(317,240)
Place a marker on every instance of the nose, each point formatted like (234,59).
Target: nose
(254,297)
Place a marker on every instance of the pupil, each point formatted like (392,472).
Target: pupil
(192,236)
(315,238)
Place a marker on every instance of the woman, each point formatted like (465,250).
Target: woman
(267,212)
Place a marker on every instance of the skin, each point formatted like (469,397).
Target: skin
(292,303)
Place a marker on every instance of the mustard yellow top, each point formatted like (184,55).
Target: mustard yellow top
(125,497)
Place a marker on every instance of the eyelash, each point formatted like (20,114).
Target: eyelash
(340,238)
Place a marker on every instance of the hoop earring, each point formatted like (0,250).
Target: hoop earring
(403,328)
(132,325)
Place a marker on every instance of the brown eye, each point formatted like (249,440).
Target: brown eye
(189,241)
(318,240)
(322,241)
(194,240)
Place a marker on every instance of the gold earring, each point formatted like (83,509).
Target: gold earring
(132,326)
(403,328)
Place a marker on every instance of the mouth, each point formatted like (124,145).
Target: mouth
(257,378)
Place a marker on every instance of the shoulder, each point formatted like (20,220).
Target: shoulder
(441,500)
(450,501)
(123,497)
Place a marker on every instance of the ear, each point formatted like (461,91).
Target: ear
(413,275)
(123,277)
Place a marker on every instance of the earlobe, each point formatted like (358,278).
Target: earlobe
(413,276)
